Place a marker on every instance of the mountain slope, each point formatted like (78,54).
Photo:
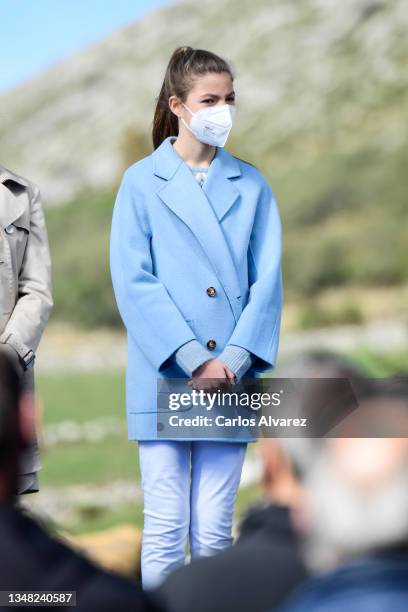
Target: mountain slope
(311,75)
(321,110)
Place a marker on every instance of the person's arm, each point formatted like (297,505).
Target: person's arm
(25,327)
(148,312)
(258,328)
(8,350)
(238,359)
(191,355)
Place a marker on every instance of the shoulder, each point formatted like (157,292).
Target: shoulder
(254,184)
(134,190)
(251,173)
(139,173)
(333,588)
(15,182)
(134,185)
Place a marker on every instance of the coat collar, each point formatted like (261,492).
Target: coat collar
(166,160)
(8,175)
(13,202)
(203,208)
(221,192)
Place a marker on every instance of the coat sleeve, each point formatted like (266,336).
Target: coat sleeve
(258,328)
(34,303)
(148,312)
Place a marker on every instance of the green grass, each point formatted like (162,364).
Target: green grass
(79,242)
(382,364)
(96,463)
(82,397)
(98,519)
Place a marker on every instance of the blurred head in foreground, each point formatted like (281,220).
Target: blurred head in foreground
(348,488)
(357,484)
(17,425)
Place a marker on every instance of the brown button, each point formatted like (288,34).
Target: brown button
(211,344)
(211,291)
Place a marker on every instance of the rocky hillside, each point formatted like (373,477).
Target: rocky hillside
(312,76)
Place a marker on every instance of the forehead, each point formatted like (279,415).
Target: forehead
(217,83)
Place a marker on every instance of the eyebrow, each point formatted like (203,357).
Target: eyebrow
(215,96)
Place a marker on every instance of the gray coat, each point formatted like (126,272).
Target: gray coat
(25,279)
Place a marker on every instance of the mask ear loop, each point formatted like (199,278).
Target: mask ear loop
(182,120)
(186,124)
(185,106)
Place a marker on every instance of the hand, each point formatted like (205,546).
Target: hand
(230,374)
(211,374)
(14,357)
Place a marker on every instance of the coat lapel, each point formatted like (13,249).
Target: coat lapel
(202,208)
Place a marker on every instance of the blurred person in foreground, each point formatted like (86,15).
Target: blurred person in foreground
(264,565)
(30,559)
(357,487)
(25,291)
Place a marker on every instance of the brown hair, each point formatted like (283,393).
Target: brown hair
(184,64)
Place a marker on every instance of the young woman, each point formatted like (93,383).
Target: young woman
(195,257)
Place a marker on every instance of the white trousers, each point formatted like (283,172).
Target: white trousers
(189,490)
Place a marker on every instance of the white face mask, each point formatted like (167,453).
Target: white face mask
(211,125)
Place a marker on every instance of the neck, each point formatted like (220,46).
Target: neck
(192,151)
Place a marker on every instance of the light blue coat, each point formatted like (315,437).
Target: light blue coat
(172,239)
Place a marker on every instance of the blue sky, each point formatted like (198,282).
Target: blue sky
(37,33)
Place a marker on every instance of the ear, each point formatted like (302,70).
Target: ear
(27,417)
(175,105)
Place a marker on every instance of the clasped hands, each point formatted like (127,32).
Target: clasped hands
(212,374)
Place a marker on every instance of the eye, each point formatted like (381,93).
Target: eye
(212,101)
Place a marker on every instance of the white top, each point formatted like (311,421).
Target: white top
(200,174)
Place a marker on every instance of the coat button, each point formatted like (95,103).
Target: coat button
(211,344)
(211,291)
(10,229)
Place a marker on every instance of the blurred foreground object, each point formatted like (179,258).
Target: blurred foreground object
(116,549)
(356,511)
(30,559)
